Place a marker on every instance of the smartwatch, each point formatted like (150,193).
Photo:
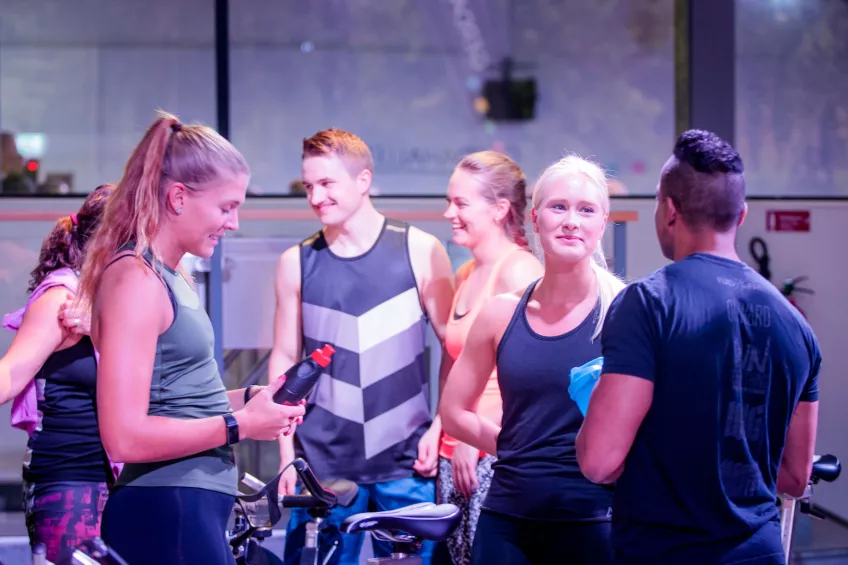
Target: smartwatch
(232,429)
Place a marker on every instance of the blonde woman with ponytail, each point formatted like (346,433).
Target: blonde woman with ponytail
(162,406)
(540,507)
(487,205)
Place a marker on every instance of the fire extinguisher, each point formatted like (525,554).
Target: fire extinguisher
(790,286)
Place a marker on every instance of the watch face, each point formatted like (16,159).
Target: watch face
(232,429)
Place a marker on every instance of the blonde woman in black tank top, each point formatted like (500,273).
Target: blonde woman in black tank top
(162,406)
(540,509)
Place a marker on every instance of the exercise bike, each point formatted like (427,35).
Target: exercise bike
(405,528)
(825,468)
(256,514)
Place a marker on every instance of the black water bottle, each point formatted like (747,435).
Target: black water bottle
(302,376)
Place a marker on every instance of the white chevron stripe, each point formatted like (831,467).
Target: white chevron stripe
(357,335)
(326,325)
(395,425)
(391,355)
(389,319)
(340,398)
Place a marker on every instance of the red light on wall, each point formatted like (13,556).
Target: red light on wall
(32,166)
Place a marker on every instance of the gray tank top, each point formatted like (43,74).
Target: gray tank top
(186,384)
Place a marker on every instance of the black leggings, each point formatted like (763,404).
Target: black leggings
(512,541)
(174,525)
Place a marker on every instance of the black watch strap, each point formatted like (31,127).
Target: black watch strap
(232,429)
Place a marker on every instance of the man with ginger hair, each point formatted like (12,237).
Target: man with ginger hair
(367,285)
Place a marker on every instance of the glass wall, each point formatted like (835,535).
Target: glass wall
(421,82)
(79,82)
(791,103)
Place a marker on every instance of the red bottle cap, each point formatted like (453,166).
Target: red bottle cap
(322,356)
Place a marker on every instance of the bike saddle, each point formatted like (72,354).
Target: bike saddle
(825,468)
(425,520)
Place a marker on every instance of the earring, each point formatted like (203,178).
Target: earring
(178,211)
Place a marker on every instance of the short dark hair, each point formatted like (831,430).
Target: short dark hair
(705,181)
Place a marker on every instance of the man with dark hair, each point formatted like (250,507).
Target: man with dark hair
(707,404)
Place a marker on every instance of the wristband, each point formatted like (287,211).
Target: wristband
(232,429)
(247,394)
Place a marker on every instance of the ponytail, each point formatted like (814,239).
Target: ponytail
(169,152)
(501,177)
(515,227)
(66,244)
(609,285)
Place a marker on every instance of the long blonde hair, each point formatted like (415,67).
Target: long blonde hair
(169,152)
(609,285)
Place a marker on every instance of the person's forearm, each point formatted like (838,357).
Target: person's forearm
(790,483)
(278,363)
(436,425)
(5,384)
(237,396)
(444,370)
(10,387)
(445,367)
(286,449)
(159,438)
(468,427)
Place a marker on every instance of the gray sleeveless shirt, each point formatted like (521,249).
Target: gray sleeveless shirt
(186,384)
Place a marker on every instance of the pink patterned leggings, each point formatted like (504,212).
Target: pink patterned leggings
(61,515)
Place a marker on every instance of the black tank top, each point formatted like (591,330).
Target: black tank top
(66,444)
(536,475)
(371,406)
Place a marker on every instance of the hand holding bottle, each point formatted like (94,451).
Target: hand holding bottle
(264,419)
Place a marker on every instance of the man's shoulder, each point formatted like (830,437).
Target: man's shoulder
(420,240)
(315,241)
(651,287)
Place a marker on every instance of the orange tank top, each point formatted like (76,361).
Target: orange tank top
(456,333)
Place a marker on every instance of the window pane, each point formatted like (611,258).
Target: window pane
(404,75)
(79,82)
(791,93)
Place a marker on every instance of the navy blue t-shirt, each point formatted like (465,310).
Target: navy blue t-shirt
(729,358)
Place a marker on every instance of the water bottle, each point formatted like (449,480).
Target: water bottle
(583,381)
(302,376)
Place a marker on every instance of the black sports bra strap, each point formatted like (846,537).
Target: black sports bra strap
(118,257)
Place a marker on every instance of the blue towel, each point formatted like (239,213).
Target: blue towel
(583,381)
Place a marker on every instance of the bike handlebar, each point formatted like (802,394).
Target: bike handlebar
(267,496)
(310,481)
(826,468)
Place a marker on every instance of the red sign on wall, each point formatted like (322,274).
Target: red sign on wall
(788,220)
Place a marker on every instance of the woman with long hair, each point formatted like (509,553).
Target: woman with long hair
(50,371)
(487,202)
(163,408)
(540,508)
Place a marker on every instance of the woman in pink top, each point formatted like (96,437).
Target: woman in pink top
(486,207)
